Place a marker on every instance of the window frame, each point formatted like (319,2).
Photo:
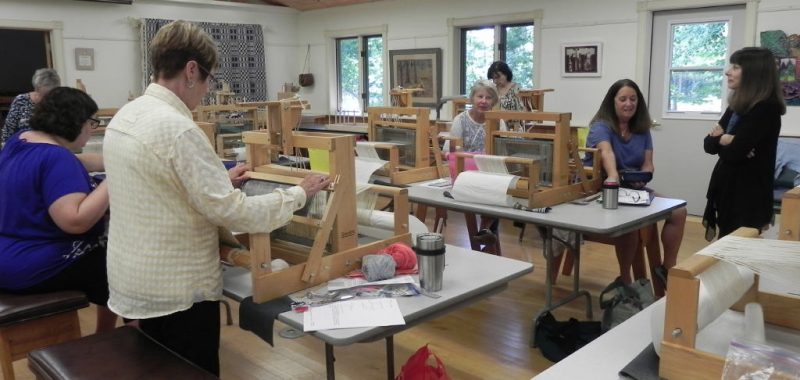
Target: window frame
(669,69)
(334,100)
(457,28)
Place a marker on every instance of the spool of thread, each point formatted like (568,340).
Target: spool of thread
(378,267)
(404,257)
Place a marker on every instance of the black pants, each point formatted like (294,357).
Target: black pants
(87,274)
(192,333)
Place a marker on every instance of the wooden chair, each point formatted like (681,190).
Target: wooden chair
(29,322)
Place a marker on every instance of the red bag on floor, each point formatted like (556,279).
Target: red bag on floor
(417,367)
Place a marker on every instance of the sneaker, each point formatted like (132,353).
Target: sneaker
(485,237)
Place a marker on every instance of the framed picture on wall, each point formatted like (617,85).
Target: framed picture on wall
(418,68)
(582,59)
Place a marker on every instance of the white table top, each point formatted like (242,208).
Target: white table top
(468,277)
(588,219)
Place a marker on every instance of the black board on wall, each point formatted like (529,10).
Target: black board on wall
(23,52)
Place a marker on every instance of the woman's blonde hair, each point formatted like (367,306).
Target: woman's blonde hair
(486,85)
(177,43)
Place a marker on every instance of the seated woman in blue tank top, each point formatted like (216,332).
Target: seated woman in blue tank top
(621,131)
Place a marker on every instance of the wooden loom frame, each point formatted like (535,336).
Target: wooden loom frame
(679,358)
(426,143)
(337,225)
(565,156)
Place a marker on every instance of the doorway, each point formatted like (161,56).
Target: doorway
(687,94)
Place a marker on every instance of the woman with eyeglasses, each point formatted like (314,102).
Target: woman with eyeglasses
(170,193)
(52,225)
(746,142)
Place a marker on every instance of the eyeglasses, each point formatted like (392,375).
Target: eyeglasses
(94,122)
(212,80)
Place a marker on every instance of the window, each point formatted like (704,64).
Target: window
(482,45)
(696,67)
(359,81)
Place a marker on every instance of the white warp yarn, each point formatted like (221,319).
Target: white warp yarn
(721,285)
(484,188)
(490,164)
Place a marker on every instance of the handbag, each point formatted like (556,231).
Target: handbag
(558,339)
(307,79)
(620,301)
(417,367)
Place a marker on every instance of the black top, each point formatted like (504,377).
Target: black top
(740,190)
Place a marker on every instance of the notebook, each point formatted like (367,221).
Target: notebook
(634,197)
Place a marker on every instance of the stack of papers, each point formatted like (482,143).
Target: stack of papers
(355,313)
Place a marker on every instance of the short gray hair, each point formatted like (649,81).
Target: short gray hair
(483,84)
(46,79)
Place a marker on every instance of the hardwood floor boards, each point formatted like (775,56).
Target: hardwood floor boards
(487,340)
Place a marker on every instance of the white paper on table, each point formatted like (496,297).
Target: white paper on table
(355,313)
(345,283)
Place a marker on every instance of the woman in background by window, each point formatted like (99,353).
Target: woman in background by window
(21,108)
(746,140)
(507,90)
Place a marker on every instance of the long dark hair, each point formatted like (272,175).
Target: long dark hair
(639,123)
(62,113)
(759,81)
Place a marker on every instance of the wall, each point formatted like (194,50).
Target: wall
(423,24)
(111,31)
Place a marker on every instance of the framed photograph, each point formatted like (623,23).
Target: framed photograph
(418,68)
(582,59)
(84,59)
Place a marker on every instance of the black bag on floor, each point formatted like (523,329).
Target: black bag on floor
(557,340)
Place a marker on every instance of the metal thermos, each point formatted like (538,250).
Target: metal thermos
(430,258)
(610,195)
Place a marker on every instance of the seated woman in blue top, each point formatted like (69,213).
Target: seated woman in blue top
(52,227)
(621,131)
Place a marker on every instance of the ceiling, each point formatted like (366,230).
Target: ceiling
(304,5)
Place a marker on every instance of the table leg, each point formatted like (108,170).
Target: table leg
(390,357)
(472,230)
(329,359)
(547,236)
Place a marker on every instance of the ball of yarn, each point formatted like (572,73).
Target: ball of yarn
(403,255)
(378,267)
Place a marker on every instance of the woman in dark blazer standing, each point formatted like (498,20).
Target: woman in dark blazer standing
(745,139)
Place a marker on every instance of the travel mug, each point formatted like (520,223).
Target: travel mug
(610,195)
(430,258)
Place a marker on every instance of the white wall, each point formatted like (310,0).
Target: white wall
(112,32)
(423,24)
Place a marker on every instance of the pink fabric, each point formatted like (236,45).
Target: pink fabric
(469,164)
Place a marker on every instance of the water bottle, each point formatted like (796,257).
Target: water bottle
(610,195)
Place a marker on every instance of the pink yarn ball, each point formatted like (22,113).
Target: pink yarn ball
(404,257)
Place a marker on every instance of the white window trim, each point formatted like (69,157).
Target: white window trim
(331,36)
(645,10)
(694,115)
(56,29)
(454,26)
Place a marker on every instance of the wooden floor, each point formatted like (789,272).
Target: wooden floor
(488,340)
